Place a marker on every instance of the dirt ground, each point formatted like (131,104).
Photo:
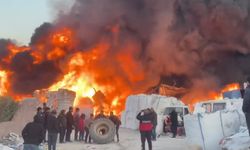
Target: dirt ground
(129,140)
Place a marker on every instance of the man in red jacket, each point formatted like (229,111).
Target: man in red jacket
(145,117)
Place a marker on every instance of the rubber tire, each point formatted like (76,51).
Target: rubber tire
(102,124)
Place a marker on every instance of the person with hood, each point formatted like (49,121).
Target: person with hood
(154,121)
(246,104)
(145,117)
(174,122)
(62,124)
(70,123)
(53,129)
(81,127)
(76,122)
(117,123)
(88,123)
(33,135)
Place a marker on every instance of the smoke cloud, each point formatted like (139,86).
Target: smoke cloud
(207,42)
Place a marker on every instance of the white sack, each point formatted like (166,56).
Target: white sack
(207,130)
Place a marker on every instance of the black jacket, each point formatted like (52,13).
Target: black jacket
(52,124)
(33,133)
(62,121)
(174,118)
(40,117)
(70,120)
(246,101)
(145,117)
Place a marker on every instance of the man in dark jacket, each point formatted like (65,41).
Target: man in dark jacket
(70,123)
(246,104)
(117,123)
(62,123)
(52,127)
(154,121)
(174,122)
(76,122)
(40,115)
(145,117)
(46,114)
(33,135)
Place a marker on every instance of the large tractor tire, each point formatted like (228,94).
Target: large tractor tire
(102,131)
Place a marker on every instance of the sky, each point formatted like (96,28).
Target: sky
(19,18)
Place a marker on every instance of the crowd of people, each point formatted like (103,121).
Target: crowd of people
(47,125)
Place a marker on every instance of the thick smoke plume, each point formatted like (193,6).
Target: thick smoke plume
(207,42)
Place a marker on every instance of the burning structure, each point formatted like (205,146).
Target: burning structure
(123,47)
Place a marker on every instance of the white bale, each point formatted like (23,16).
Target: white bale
(136,103)
(143,102)
(2,147)
(193,130)
(123,119)
(131,122)
(207,130)
(132,103)
(159,127)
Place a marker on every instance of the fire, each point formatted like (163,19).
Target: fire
(63,37)
(80,84)
(3,82)
(227,88)
(214,95)
(13,50)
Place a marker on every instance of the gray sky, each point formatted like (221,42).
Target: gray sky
(19,18)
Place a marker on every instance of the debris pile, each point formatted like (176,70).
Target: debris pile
(12,141)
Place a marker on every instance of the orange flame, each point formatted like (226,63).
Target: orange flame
(3,82)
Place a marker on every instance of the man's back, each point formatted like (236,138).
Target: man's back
(70,119)
(52,124)
(174,118)
(33,133)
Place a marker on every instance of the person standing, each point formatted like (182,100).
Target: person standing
(117,123)
(88,123)
(33,135)
(154,121)
(70,124)
(246,104)
(145,117)
(40,115)
(76,122)
(174,122)
(46,114)
(81,127)
(62,123)
(52,127)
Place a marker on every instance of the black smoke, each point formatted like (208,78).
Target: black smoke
(205,42)
(28,76)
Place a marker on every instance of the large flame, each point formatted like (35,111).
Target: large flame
(3,82)
(85,74)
